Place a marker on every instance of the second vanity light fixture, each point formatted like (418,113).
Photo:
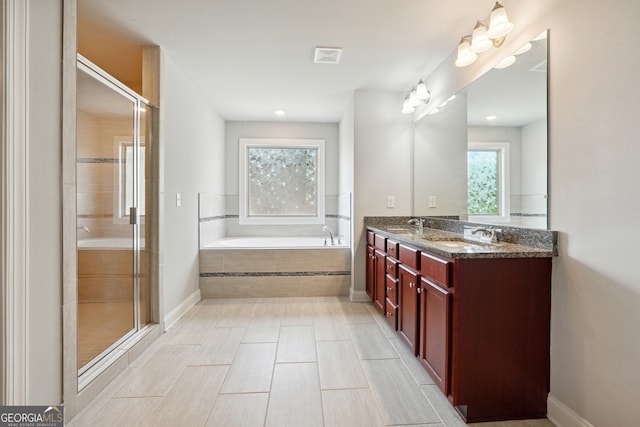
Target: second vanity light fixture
(418,95)
(484,37)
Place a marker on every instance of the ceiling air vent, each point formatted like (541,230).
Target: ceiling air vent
(327,55)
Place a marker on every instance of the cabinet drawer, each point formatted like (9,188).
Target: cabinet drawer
(392,289)
(392,248)
(380,242)
(371,238)
(436,269)
(409,257)
(391,313)
(392,267)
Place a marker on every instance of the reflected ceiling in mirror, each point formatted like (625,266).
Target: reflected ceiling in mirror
(505,105)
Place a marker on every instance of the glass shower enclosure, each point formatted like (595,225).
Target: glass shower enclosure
(113,187)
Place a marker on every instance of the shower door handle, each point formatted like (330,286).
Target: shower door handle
(133,216)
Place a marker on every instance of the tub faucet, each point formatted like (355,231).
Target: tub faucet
(419,222)
(83,227)
(326,228)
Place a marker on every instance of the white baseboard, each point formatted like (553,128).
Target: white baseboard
(359,296)
(175,314)
(563,416)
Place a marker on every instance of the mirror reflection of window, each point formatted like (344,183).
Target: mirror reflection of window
(488,180)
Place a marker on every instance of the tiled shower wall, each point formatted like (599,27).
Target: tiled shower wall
(98,171)
(219,217)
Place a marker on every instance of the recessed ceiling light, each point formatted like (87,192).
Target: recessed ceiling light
(491,117)
(280,112)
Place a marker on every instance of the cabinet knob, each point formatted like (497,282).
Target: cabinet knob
(388,314)
(419,290)
(388,289)
(411,284)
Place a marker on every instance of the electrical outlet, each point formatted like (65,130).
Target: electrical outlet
(391,201)
(432,202)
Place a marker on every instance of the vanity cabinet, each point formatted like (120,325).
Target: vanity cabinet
(435,332)
(371,271)
(409,285)
(479,325)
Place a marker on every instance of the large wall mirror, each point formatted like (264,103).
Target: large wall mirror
(483,156)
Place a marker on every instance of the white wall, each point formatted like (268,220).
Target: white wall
(345,171)
(44,333)
(383,166)
(326,131)
(192,161)
(594,155)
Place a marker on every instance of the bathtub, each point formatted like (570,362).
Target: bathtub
(273,243)
(107,243)
(237,267)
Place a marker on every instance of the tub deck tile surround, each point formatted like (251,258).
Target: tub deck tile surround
(258,273)
(250,386)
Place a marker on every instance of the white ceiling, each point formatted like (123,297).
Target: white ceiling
(250,57)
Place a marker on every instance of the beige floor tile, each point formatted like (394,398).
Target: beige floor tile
(126,412)
(239,410)
(251,370)
(543,422)
(295,396)
(397,395)
(350,408)
(296,311)
(191,398)
(296,344)
(235,314)
(356,312)
(265,323)
(442,406)
(370,342)
(388,331)
(416,370)
(158,373)
(339,366)
(219,348)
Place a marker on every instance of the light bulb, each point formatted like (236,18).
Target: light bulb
(499,25)
(479,40)
(465,56)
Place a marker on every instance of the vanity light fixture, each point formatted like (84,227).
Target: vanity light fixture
(523,49)
(484,36)
(506,62)
(479,40)
(419,95)
(465,55)
(499,24)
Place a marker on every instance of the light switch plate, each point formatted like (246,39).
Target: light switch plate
(178,200)
(391,201)
(432,202)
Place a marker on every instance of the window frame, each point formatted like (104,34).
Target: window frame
(504,178)
(244,144)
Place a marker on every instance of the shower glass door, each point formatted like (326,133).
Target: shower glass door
(113,296)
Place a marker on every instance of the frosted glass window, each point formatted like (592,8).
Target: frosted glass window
(282,181)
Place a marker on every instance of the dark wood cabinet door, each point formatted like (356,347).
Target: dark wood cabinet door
(371,272)
(435,330)
(380,281)
(408,307)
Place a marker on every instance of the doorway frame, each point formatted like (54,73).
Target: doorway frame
(78,395)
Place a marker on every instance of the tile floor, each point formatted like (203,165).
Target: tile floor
(299,362)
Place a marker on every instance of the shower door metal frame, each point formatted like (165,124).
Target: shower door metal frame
(84,65)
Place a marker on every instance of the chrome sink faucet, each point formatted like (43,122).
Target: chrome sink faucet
(491,233)
(419,222)
(326,228)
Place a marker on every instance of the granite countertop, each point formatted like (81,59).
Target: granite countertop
(454,245)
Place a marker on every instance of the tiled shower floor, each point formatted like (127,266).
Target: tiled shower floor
(299,362)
